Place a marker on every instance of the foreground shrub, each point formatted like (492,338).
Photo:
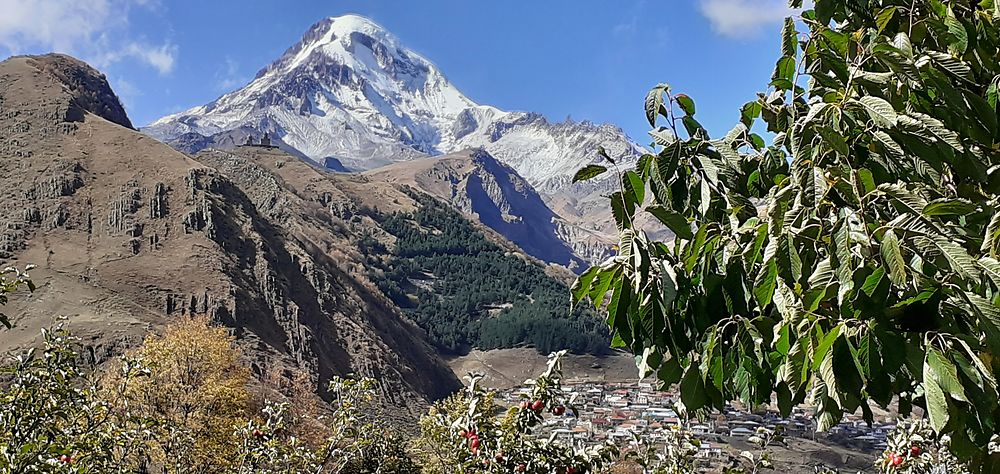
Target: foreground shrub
(474,435)
(11,280)
(52,419)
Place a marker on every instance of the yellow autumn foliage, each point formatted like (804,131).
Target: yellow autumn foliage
(197,387)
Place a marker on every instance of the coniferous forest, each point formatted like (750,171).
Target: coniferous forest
(468,292)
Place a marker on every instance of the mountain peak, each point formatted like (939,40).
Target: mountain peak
(88,89)
(354,23)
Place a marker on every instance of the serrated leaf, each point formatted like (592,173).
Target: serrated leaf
(589,172)
(902,42)
(891,147)
(945,374)
(789,38)
(766,282)
(960,37)
(654,102)
(599,286)
(749,112)
(663,136)
(988,313)
(993,91)
(991,267)
(693,389)
(949,207)
(635,186)
(893,259)
(784,73)
(880,110)
(937,404)
(992,234)
(581,286)
(958,259)
(949,63)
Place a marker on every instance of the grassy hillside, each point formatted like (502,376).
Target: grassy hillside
(468,292)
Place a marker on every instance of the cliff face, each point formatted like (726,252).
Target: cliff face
(479,185)
(128,233)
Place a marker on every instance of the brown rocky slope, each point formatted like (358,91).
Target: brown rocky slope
(128,233)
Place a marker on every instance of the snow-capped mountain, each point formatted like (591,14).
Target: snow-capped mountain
(351,96)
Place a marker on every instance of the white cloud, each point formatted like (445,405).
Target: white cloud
(228,76)
(94,30)
(744,18)
(161,58)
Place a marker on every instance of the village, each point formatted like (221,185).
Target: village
(616,412)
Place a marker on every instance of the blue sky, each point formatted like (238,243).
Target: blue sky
(589,60)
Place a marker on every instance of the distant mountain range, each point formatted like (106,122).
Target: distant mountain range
(349,96)
(327,273)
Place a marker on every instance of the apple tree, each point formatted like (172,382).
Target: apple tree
(13,279)
(849,259)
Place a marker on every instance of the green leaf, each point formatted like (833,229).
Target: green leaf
(992,235)
(949,207)
(991,267)
(937,404)
(674,221)
(880,111)
(663,136)
(600,285)
(988,315)
(893,259)
(993,91)
(767,281)
(686,103)
(635,186)
(654,102)
(960,37)
(694,128)
(784,73)
(623,210)
(884,17)
(945,374)
(749,112)
(873,280)
(823,349)
(789,38)
(581,286)
(669,373)
(693,389)
(949,63)
(959,260)
(589,172)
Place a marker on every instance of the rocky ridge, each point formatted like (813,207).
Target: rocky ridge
(128,234)
(351,95)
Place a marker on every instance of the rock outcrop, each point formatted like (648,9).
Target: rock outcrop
(485,188)
(128,234)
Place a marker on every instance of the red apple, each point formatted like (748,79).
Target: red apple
(558,410)
(895,459)
(537,406)
(915,451)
